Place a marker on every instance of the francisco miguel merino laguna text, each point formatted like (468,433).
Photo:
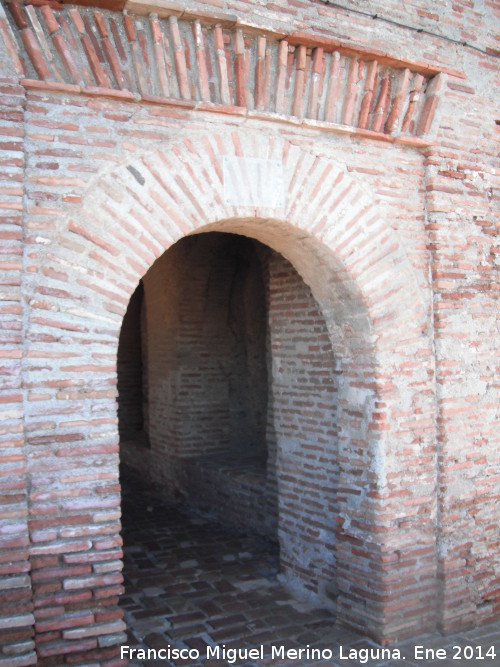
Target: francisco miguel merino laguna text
(362,655)
(234,655)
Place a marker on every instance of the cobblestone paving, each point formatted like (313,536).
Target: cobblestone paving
(192,585)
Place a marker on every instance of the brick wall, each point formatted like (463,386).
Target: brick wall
(463,232)
(206,349)
(304,389)
(16,605)
(396,236)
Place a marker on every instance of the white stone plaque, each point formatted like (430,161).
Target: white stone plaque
(251,181)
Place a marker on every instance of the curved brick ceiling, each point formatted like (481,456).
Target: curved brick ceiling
(215,61)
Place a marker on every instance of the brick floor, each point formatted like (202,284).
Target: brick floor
(191,584)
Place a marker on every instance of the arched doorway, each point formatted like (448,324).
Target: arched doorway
(228,396)
(376,310)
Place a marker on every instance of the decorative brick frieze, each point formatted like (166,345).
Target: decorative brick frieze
(166,55)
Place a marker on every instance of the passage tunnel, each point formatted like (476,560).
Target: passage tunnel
(227,396)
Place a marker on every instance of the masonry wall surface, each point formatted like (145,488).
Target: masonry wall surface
(202,351)
(397,238)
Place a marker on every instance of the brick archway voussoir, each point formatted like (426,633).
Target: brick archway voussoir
(145,205)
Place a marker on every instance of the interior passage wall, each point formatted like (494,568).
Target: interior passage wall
(206,349)
(304,397)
